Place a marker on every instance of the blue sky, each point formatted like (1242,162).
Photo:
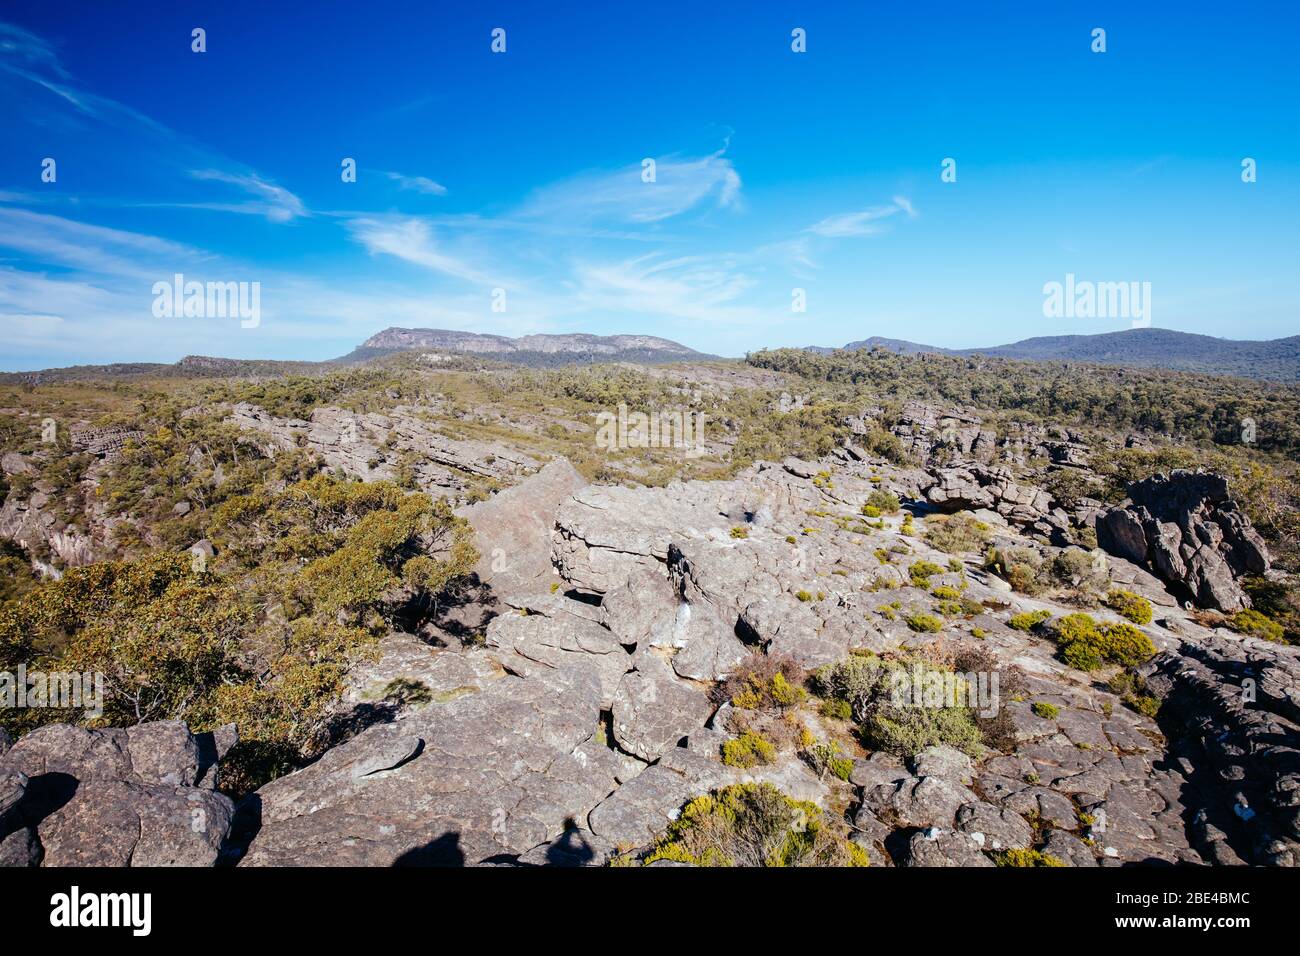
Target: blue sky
(522,171)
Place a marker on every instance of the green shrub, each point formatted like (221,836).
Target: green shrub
(826,758)
(1028,620)
(1127,604)
(892,721)
(1016,857)
(1086,645)
(740,532)
(16,574)
(1075,568)
(748,750)
(762,682)
(920,572)
(1043,709)
(756,825)
(946,592)
(1018,566)
(306,576)
(838,709)
(956,533)
(1132,689)
(883,501)
(1250,621)
(924,623)
(1125,644)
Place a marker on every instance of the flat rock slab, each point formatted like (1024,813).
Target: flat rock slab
(496,774)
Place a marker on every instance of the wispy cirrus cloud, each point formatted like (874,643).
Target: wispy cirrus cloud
(31,60)
(419,184)
(621,196)
(18,46)
(865,222)
(70,244)
(697,288)
(411,239)
(270,200)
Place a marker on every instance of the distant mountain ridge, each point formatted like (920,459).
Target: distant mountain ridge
(534,350)
(1275,359)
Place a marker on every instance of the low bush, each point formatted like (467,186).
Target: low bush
(748,750)
(920,572)
(1250,621)
(956,533)
(996,725)
(924,623)
(1015,857)
(1028,620)
(763,681)
(1132,689)
(1087,645)
(756,825)
(882,695)
(827,758)
(1019,567)
(1045,710)
(1077,570)
(1127,604)
(883,501)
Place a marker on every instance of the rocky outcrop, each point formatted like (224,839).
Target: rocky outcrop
(606,347)
(1232,706)
(933,433)
(966,489)
(1187,528)
(369,445)
(464,779)
(142,796)
(515,528)
(584,718)
(995,488)
(32,525)
(102,442)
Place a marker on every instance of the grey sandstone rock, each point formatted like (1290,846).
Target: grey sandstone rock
(1190,532)
(936,846)
(515,528)
(651,714)
(112,798)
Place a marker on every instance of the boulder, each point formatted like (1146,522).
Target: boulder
(467,779)
(936,846)
(130,797)
(514,530)
(652,713)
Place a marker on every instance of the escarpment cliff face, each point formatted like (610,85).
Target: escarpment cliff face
(530,350)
